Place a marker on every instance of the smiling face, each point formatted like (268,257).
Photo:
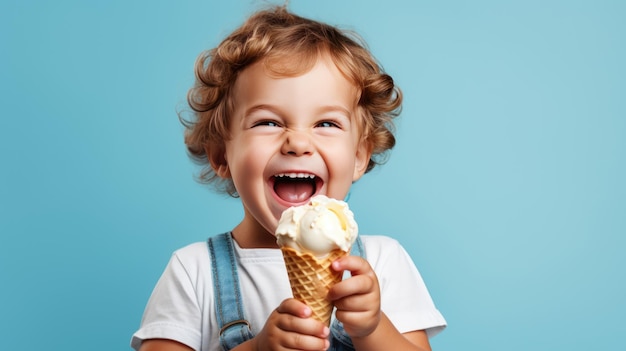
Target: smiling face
(290,138)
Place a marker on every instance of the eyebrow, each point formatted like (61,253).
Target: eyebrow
(254,108)
(336,108)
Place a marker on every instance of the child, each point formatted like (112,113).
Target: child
(287,108)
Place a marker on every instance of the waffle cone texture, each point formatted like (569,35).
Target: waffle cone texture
(311,278)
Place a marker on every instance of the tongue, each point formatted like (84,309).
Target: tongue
(294,190)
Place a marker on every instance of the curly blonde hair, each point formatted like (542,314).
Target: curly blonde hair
(288,45)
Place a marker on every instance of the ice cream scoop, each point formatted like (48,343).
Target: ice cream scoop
(318,227)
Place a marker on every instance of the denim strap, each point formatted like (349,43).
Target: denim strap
(234,328)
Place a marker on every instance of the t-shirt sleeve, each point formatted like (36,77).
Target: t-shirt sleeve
(404,296)
(173,311)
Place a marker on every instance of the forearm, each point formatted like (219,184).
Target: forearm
(387,337)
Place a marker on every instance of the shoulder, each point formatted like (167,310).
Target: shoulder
(193,250)
(191,253)
(191,260)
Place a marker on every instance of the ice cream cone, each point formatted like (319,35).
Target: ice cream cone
(312,236)
(311,278)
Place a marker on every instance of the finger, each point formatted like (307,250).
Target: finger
(295,317)
(307,326)
(357,303)
(294,307)
(305,342)
(354,286)
(355,264)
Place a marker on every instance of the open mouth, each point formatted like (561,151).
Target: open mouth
(296,187)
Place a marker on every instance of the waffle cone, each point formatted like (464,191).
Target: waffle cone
(311,278)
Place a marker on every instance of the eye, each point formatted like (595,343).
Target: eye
(328,124)
(266,123)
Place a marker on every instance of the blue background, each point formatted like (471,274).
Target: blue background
(506,186)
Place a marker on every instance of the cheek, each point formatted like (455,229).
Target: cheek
(341,169)
(246,160)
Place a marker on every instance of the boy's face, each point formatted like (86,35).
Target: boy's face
(292,138)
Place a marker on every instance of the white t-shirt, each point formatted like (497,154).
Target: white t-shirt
(181,306)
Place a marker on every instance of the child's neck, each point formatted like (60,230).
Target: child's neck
(250,235)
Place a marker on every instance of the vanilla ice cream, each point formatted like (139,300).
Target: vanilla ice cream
(320,226)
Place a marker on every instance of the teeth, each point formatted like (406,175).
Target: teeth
(296,175)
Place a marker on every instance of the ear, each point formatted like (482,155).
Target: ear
(217,159)
(363,154)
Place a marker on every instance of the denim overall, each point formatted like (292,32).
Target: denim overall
(235,329)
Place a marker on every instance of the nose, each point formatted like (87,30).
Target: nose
(297,143)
